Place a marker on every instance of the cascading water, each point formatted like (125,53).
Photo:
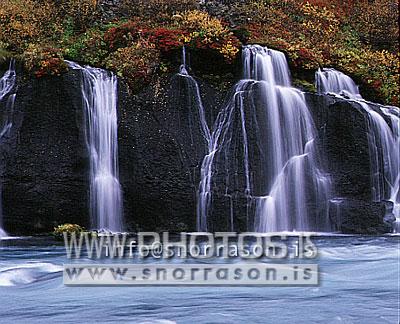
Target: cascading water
(192,84)
(293,164)
(99,91)
(393,168)
(7,84)
(384,141)
(291,178)
(333,81)
(204,198)
(218,138)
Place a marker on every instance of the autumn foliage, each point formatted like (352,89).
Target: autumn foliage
(358,37)
(141,37)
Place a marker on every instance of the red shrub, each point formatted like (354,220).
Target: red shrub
(122,35)
(165,39)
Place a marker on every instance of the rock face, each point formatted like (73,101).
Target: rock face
(343,138)
(357,216)
(44,178)
(161,148)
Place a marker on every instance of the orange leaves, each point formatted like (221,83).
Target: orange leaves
(21,23)
(334,33)
(44,60)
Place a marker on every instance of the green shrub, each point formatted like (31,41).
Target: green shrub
(89,47)
(135,63)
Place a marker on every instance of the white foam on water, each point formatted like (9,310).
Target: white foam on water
(158,321)
(26,273)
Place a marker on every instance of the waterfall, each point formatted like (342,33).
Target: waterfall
(99,91)
(7,84)
(203,197)
(393,167)
(194,87)
(293,166)
(336,82)
(292,180)
(383,139)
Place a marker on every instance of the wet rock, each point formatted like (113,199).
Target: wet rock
(45,165)
(363,217)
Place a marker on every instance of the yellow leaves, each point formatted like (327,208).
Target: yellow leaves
(229,51)
(319,12)
(67,228)
(312,35)
(187,39)
(199,21)
(44,60)
(194,35)
(207,32)
(379,69)
(22,22)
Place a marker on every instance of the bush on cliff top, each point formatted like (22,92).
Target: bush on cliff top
(358,37)
(136,49)
(328,34)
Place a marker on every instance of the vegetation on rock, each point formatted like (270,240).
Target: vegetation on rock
(359,38)
(141,37)
(67,228)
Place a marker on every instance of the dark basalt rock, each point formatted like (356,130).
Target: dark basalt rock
(44,178)
(343,137)
(161,148)
(356,216)
(342,131)
(45,165)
